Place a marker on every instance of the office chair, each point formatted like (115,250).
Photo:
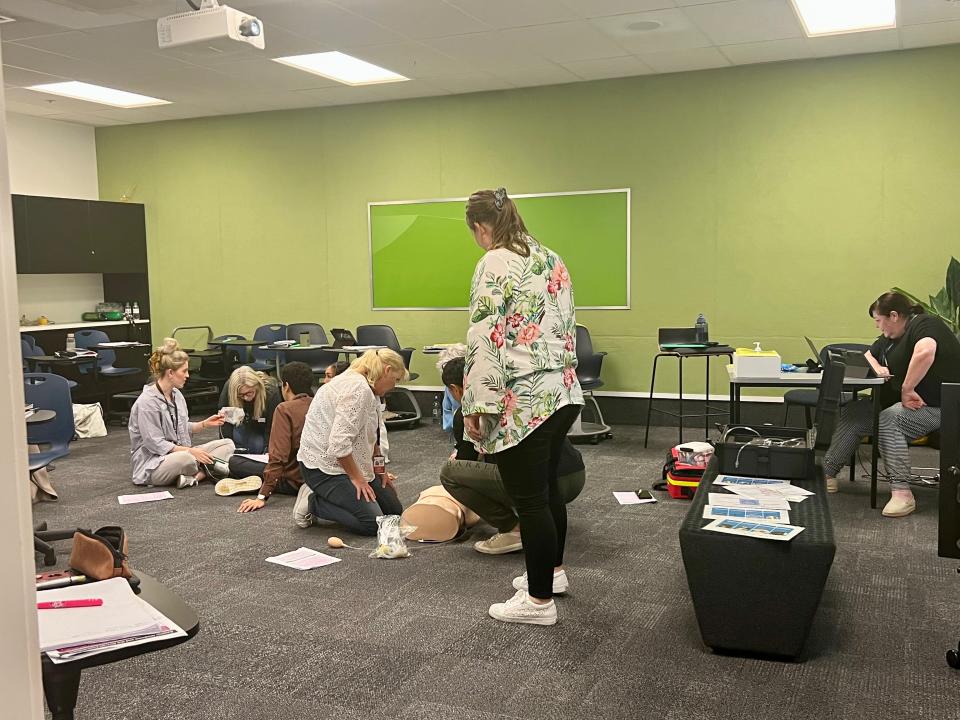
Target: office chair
(384,335)
(29,338)
(105,358)
(588,373)
(318,360)
(47,391)
(807,398)
(264,360)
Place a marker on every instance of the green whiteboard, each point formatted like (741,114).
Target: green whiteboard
(422,254)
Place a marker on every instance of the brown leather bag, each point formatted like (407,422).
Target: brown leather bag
(100,555)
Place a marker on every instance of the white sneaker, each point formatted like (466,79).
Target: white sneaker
(232,486)
(301,508)
(499,544)
(186,481)
(521,609)
(833,485)
(560,582)
(899,506)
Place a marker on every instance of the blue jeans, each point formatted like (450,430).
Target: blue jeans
(335,498)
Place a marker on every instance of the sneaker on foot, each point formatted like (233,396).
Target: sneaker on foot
(560,582)
(521,609)
(301,508)
(499,544)
(899,506)
(833,485)
(232,486)
(186,481)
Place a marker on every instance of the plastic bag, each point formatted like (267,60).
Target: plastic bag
(232,415)
(391,531)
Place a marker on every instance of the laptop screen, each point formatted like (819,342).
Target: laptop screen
(813,348)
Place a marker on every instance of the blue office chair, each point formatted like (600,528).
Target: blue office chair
(26,351)
(808,398)
(46,391)
(318,360)
(384,335)
(106,358)
(29,338)
(265,360)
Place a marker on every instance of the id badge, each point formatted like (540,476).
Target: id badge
(379,464)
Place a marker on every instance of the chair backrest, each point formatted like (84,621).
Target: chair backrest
(316,331)
(588,361)
(269,334)
(49,392)
(833,350)
(88,338)
(29,338)
(26,350)
(378,335)
(584,343)
(828,399)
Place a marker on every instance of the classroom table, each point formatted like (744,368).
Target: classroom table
(40,416)
(61,683)
(803,379)
(225,346)
(278,351)
(357,350)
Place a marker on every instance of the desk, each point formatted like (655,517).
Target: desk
(358,350)
(225,346)
(40,416)
(799,379)
(61,683)
(280,351)
(681,354)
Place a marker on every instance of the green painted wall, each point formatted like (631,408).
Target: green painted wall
(777,199)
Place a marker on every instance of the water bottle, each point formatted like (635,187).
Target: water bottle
(702,336)
(71,342)
(127,310)
(436,408)
(136,311)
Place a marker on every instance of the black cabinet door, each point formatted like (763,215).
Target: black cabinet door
(118,236)
(58,236)
(20,233)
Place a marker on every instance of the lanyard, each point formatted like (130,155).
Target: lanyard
(171,411)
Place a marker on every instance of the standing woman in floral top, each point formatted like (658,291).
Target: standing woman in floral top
(521,393)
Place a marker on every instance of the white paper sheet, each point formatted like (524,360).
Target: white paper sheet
(771,492)
(144,497)
(629,497)
(748,528)
(766,515)
(303,559)
(265,458)
(734,500)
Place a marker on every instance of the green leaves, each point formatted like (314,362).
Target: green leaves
(946,303)
(485,308)
(953,282)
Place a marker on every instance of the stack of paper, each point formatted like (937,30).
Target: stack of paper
(754,507)
(303,559)
(362,348)
(124,619)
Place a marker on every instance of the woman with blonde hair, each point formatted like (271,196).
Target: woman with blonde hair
(258,396)
(341,462)
(161,451)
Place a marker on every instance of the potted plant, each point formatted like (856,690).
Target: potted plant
(946,303)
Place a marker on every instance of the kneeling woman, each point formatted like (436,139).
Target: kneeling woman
(258,396)
(339,441)
(160,449)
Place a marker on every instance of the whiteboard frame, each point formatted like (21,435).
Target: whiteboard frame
(527,195)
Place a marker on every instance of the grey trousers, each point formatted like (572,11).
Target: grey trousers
(898,426)
(181,462)
(478,486)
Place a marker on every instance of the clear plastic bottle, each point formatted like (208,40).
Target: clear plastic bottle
(127,310)
(136,311)
(436,408)
(71,342)
(702,335)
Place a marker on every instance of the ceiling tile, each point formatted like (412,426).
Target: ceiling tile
(626,66)
(503,14)
(487,51)
(685,60)
(941,33)
(912,12)
(318,20)
(769,51)
(28,28)
(743,21)
(80,118)
(470,82)
(273,75)
(14,106)
(412,60)
(565,42)
(855,43)
(18,77)
(603,8)
(539,75)
(676,32)
(416,19)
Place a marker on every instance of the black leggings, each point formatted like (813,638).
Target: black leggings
(529,474)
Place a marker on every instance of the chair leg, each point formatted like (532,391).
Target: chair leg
(653,379)
(45,549)
(806,416)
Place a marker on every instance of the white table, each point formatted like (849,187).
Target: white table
(813,380)
(278,351)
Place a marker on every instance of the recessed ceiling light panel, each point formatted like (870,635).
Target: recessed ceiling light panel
(98,94)
(342,68)
(835,17)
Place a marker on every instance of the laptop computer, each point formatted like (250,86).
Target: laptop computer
(342,338)
(855,360)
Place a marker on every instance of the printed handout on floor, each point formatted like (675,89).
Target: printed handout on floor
(720,512)
(750,528)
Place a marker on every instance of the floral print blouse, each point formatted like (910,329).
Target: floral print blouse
(521,346)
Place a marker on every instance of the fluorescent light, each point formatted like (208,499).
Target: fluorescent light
(98,94)
(835,17)
(342,68)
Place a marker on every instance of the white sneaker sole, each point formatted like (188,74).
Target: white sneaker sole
(232,486)
(497,614)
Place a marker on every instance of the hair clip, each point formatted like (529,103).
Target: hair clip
(499,197)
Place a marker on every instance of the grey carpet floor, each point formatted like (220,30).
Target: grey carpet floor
(410,639)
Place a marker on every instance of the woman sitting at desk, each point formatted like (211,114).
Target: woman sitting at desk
(160,448)
(917,352)
(258,396)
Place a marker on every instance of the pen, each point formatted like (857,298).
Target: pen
(61,582)
(57,604)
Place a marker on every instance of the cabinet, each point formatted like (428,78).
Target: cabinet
(63,235)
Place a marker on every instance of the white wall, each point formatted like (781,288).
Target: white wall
(53,158)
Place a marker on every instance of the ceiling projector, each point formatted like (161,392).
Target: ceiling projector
(208,24)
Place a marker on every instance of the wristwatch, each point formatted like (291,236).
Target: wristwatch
(262,497)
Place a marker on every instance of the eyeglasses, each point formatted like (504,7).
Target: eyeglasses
(247,393)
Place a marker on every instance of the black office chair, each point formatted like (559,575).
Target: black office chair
(808,398)
(384,335)
(588,373)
